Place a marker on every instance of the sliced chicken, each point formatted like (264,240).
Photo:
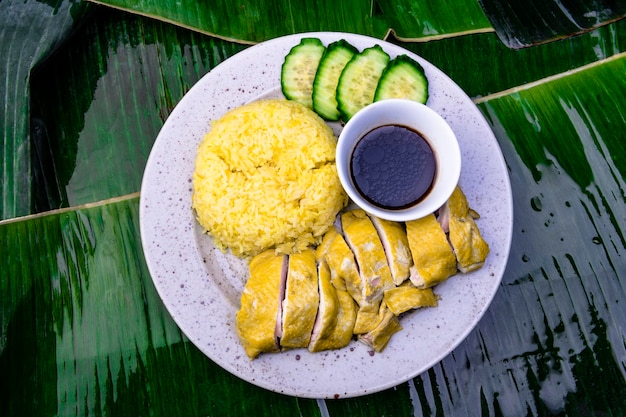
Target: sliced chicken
(393,238)
(356,280)
(345,276)
(340,259)
(362,239)
(346,319)
(366,317)
(260,311)
(433,259)
(301,300)
(328,308)
(371,261)
(335,317)
(408,297)
(470,248)
(386,326)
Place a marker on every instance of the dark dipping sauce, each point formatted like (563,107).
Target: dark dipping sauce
(393,167)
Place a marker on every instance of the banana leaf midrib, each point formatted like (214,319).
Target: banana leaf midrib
(63,210)
(549,79)
(167,16)
(173,22)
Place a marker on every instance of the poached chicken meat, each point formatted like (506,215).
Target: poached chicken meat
(396,245)
(408,297)
(433,258)
(470,248)
(301,300)
(371,261)
(354,284)
(335,317)
(260,310)
(386,326)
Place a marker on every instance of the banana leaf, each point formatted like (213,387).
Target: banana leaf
(522,24)
(426,21)
(83,332)
(252,21)
(514,68)
(30,31)
(565,283)
(99,104)
(517,24)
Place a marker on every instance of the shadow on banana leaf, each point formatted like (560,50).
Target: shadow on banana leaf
(99,103)
(524,24)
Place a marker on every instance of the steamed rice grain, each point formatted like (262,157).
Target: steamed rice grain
(265,177)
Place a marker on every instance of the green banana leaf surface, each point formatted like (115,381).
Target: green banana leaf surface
(522,24)
(86,90)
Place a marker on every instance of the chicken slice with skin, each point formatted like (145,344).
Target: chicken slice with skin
(469,247)
(327,311)
(408,297)
(335,318)
(380,335)
(393,238)
(346,320)
(258,319)
(345,275)
(433,259)
(371,261)
(340,259)
(299,307)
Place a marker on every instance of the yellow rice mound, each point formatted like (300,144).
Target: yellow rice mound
(265,177)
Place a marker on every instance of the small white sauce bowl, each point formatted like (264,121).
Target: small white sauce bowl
(417,117)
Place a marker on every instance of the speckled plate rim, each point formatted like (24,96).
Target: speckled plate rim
(200,285)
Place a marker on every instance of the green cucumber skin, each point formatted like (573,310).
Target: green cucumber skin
(359,80)
(337,81)
(403,78)
(299,69)
(334,60)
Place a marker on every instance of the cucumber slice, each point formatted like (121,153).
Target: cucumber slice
(359,79)
(403,78)
(334,60)
(298,70)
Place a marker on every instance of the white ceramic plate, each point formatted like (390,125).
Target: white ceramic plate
(200,286)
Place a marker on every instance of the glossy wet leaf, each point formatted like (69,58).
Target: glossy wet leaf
(517,24)
(513,68)
(99,104)
(552,341)
(421,20)
(568,127)
(29,31)
(256,20)
(565,278)
(83,332)
(522,24)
